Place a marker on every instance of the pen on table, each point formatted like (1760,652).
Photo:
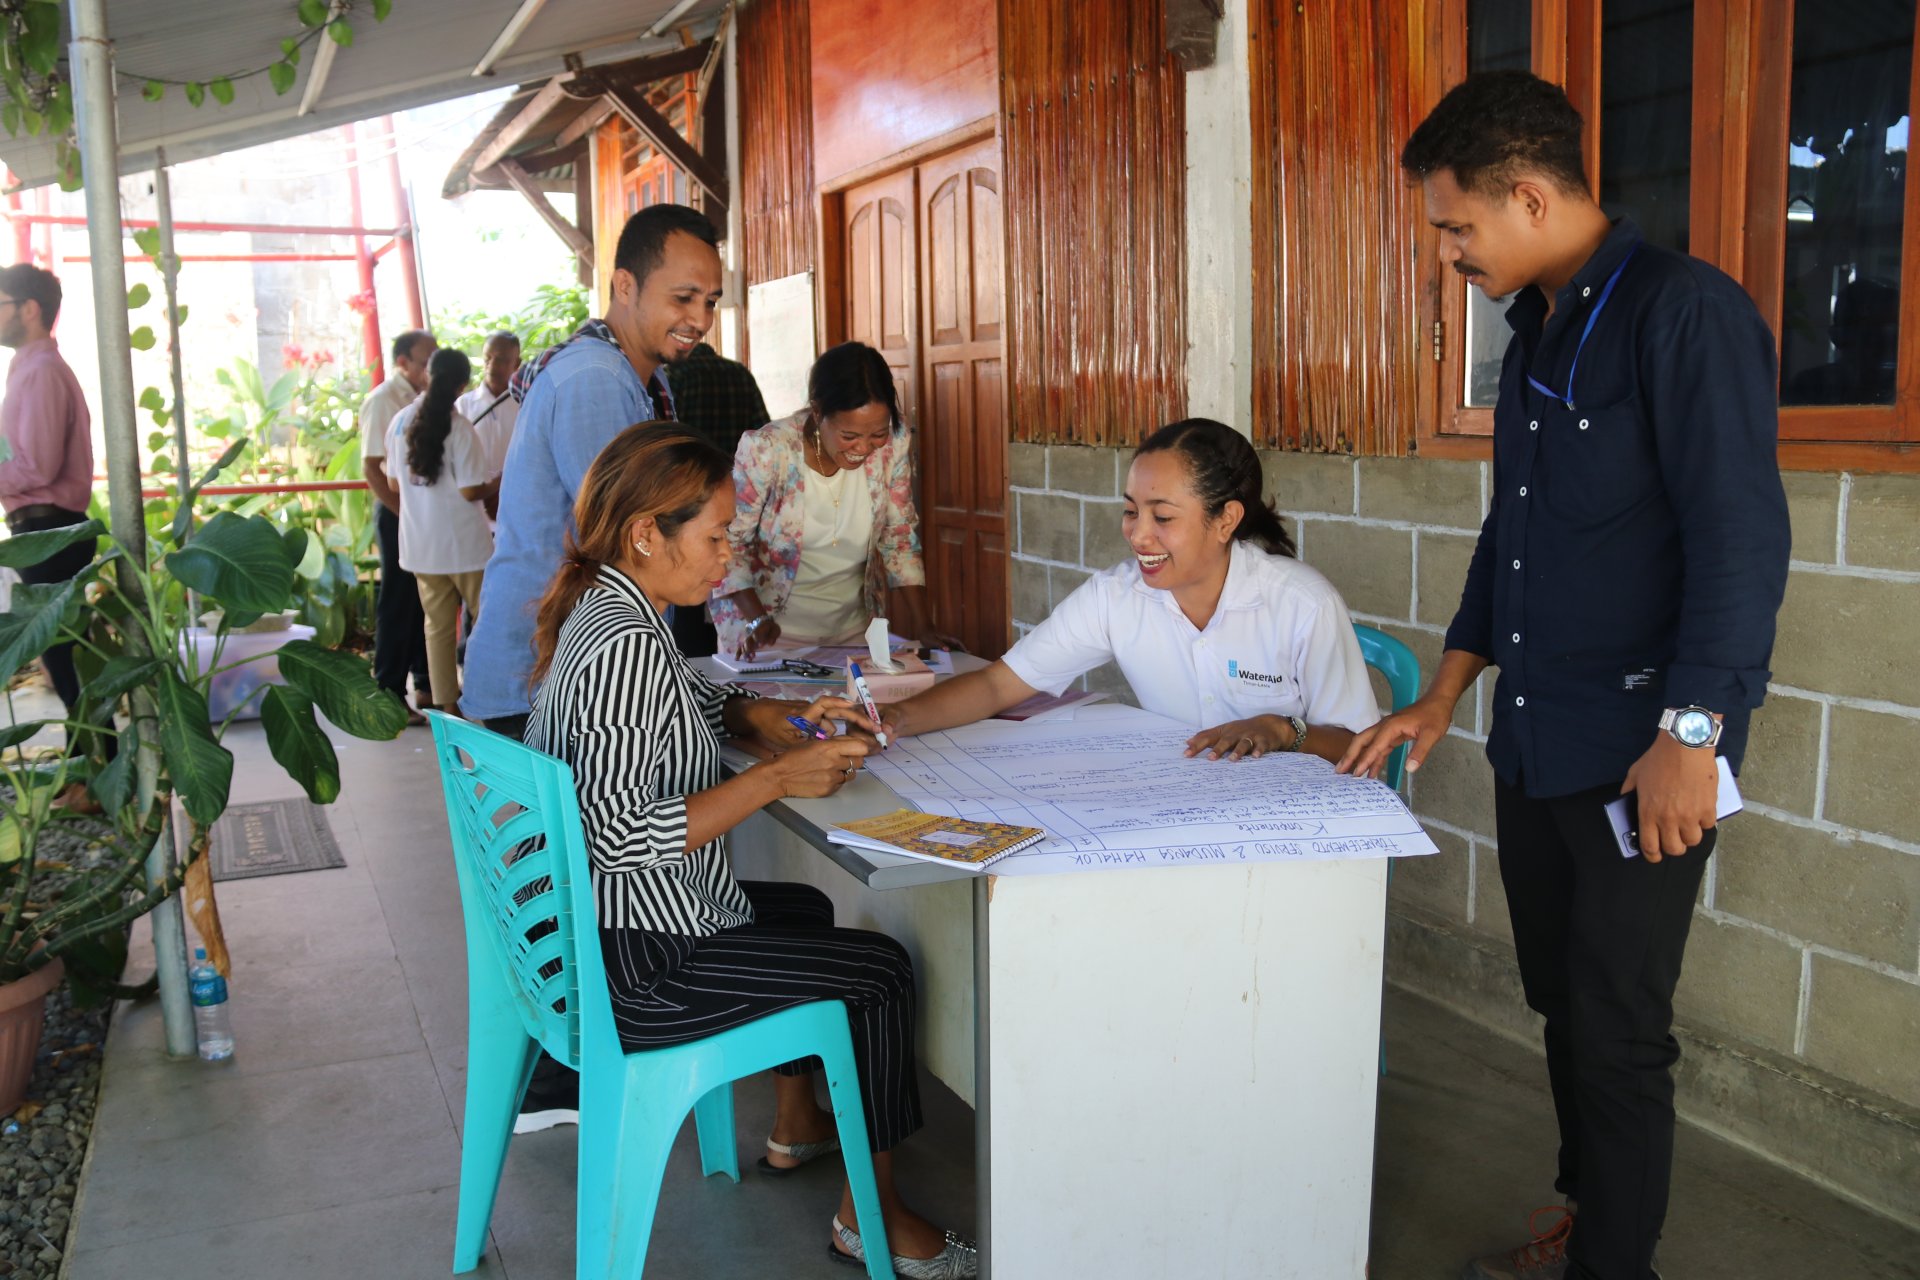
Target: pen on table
(808,727)
(866,701)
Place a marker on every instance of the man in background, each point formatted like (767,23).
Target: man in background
(399,628)
(492,410)
(718,398)
(48,480)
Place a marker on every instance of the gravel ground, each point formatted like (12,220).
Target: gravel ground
(43,1143)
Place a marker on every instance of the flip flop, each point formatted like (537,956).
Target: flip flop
(805,1152)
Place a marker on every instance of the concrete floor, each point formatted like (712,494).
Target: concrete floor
(329,1146)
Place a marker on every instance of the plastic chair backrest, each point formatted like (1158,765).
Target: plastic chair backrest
(522,864)
(1394,660)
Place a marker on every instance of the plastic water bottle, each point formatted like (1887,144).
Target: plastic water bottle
(210,1014)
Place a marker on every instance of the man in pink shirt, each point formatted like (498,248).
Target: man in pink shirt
(48,479)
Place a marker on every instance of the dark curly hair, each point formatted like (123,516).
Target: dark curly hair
(1495,125)
(448,372)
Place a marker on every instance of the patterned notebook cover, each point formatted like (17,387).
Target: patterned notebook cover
(937,838)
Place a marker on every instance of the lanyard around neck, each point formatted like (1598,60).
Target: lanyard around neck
(1592,316)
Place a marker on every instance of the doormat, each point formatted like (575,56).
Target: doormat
(271,838)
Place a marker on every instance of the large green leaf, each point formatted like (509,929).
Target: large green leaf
(120,676)
(241,563)
(201,769)
(31,625)
(299,744)
(113,785)
(24,549)
(14,734)
(343,687)
(40,45)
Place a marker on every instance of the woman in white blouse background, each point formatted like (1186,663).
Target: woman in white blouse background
(689,950)
(1213,620)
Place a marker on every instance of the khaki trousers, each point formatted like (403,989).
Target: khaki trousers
(441,595)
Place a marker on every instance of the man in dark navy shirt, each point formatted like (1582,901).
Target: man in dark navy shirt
(1625,584)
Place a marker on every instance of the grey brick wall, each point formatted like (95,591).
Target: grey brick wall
(1801,1002)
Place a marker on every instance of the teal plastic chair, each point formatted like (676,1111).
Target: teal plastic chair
(536,980)
(1396,662)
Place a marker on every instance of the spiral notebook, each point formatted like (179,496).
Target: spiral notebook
(937,838)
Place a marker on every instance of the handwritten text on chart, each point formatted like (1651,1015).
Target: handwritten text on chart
(1117,790)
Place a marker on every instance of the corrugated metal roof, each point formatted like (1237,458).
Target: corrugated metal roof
(424,52)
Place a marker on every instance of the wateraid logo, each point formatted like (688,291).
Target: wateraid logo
(1233,668)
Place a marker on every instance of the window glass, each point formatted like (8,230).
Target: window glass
(1646,115)
(1499,37)
(1846,178)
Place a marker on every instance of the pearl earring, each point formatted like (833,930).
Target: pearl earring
(641,547)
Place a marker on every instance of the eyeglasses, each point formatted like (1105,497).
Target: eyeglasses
(812,670)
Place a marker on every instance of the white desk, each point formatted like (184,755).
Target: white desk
(1173,1070)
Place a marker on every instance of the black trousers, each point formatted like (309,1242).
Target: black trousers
(514,727)
(1600,939)
(671,988)
(58,567)
(399,626)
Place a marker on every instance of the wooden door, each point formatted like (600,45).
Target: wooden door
(962,426)
(883,278)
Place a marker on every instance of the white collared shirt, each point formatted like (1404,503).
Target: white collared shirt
(1279,643)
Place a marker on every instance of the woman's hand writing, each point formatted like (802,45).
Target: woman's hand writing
(818,768)
(1238,739)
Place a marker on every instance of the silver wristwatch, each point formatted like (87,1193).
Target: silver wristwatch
(1299,733)
(1691,726)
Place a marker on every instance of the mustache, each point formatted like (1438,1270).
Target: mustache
(1468,269)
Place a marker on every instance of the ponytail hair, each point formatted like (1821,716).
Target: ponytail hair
(658,469)
(448,372)
(1224,468)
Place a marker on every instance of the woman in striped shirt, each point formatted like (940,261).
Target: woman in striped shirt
(689,950)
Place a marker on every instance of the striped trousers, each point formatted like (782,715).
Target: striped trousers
(671,988)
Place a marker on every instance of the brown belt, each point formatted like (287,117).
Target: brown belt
(42,511)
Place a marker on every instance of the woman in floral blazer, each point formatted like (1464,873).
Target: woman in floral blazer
(825,535)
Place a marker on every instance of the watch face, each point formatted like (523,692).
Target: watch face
(1695,728)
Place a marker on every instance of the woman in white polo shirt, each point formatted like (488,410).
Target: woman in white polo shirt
(1213,621)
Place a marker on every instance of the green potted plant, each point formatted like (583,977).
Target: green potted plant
(145,738)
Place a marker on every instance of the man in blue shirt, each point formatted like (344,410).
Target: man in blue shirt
(574,399)
(1625,583)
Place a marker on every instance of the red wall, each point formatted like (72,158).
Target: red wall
(890,74)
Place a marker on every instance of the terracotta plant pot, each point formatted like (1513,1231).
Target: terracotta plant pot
(23,1010)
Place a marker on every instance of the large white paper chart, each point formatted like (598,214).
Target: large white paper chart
(1116,790)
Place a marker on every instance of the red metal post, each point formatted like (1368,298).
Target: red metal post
(370,329)
(22,229)
(403,214)
(280,228)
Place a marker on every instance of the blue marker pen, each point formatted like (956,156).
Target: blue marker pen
(808,727)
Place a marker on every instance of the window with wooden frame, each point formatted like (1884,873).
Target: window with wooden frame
(647,177)
(1765,137)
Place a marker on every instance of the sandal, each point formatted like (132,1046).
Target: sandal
(958,1259)
(804,1152)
